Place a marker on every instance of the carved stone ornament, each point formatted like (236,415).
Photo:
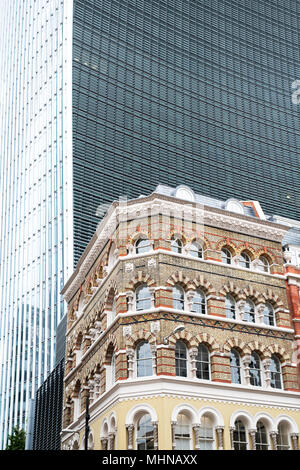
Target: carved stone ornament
(155,326)
(128,267)
(126,330)
(152,263)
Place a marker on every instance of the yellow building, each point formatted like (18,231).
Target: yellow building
(179,330)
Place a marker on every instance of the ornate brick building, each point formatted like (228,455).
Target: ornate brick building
(180,330)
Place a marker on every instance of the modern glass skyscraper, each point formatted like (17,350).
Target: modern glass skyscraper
(36,246)
(102,98)
(185,91)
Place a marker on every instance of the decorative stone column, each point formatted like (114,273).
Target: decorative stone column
(240,305)
(155,434)
(92,390)
(260,312)
(130,359)
(231,430)
(130,302)
(266,365)
(294,438)
(273,439)
(111,441)
(130,429)
(173,424)
(196,428)
(152,295)
(153,352)
(193,354)
(246,362)
(97,386)
(189,299)
(220,433)
(252,433)
(104,443)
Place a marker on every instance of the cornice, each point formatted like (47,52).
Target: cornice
(190,389)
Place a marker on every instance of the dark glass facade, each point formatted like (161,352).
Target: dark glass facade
(194,92)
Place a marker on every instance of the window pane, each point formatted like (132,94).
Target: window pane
(244,260)
(182,433)
(181,359)
(143,298)
(178,298)
(199,302)
(235,367)
(283,437)
(202,363)
(176,245)
(144,360)
(269,318)
(275,369)
(230,307)
(254,370)
(249,312)
(145,439)
(261,439)
(239,436)
(226,256)
(142,246)
(206,434)
(196,250)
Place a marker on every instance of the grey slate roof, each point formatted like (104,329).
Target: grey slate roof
(199,198)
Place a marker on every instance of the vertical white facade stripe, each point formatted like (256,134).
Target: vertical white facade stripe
(36,206)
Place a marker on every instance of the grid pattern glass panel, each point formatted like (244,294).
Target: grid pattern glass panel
(177,92)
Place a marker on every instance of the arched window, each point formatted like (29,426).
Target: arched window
(261,439)
(235,367)
(77,403)
(178,298)
(142,245)
(199,302)
(110,367)
(176,245)
(79,349)
(143,298)
(145,433)
(113,369)
(144,359)
(182,432)
(269,316)
(181,359)
(283,438)
(196,250)
(239,436)
(230,307)
(275,371)
(263,264)
(226,256)
(206,434)
(249,311)
(202,363)
(254,370)
(245,261)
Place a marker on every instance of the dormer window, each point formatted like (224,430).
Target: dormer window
(176,245)
(142,245)
(226,256)
(245,261)
(196,250)
(263,264)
